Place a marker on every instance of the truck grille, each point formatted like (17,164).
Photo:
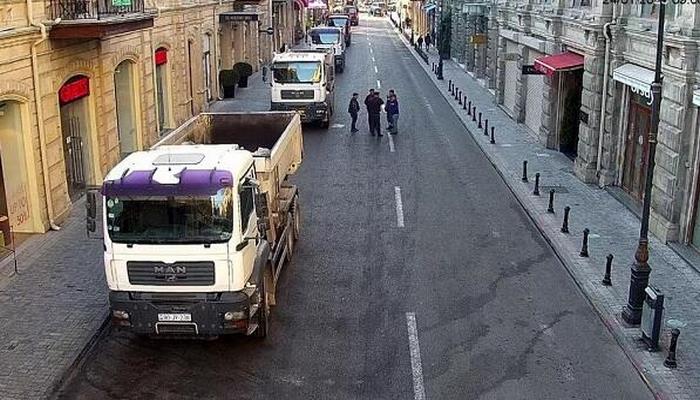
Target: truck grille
(176,274)
(297,94)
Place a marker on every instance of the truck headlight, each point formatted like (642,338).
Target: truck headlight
(120,314)
(234,315)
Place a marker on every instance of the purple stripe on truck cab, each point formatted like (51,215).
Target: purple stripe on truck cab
(192,182)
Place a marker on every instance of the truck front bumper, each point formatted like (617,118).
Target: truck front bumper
(309,111)
(190,314)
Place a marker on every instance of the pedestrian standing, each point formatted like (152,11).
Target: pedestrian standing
(428,41)
(353,110)
(388,117)
(367,103)
(392,112)
(420,42)
(374,110)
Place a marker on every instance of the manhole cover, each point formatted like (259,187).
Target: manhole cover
(557,189)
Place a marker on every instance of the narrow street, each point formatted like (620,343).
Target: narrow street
(417,275)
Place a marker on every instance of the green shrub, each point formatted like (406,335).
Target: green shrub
(228,77)
(243,69)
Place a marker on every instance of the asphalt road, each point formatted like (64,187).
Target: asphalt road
(451,295)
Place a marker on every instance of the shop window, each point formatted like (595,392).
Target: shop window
(648,10)
(14,188)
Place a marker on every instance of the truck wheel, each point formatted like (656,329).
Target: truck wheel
(326,124)
(297,219)
(263,314)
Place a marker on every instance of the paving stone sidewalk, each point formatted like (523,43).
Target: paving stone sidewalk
(614,230)
(58,303)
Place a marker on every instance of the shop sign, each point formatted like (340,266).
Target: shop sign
(121,3)
(478,39)
(510,56)
(161,56)
(73,90)
(530,70)
(238,17)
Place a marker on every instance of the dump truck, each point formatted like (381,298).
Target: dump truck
(198,228)
(303,80)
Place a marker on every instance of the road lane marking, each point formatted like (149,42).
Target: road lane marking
(414,348)
(371,51)
(379,84)
(399,207)
(373,60)
(376,71)
(391,143)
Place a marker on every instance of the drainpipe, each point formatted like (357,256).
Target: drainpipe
(40,114)
(604,101)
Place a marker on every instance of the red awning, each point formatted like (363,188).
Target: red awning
(559,62)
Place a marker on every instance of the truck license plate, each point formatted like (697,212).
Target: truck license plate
(174,317)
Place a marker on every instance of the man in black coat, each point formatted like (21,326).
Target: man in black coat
(353,110)
(374,110)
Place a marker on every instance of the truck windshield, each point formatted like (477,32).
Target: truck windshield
(325,37)
(297,72)
(338,21)
(177,219)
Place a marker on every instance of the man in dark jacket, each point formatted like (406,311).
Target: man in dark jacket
(353,110)
(367,101)
(428,41)
(392,113)
(374,110)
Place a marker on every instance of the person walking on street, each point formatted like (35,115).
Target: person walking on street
(428,41)
(392,112)
(374,110)
(420,42)
(368,99)
(353,110)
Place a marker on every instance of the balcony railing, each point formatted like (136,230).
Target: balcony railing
(94,9)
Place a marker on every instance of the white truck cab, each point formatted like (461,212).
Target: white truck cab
(330,37)
(304,81)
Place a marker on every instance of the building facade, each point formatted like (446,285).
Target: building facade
(82,84)
(577,74)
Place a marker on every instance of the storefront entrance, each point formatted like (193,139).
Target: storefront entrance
(15,207)
(636,146)
(73,98)
(572,84)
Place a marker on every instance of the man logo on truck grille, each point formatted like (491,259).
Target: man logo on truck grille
(170,273)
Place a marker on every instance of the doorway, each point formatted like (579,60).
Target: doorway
(636,147)
(124,92)
(572,84)
(73,100)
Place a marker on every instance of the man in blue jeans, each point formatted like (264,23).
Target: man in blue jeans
(392,113)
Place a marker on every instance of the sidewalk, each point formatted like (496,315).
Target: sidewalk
(614,230)
(57,305)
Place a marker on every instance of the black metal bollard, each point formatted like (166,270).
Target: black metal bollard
(464,105)
(486,127)
(460,98)
(474,114)
(608,266)
(493,137)
(524,178)
(457,93)
(550,209)
(480,126)
(469,110)
(670,361)
(449,85)
(584,248)
(565,224)
(536,192)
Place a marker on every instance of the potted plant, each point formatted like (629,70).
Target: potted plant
(244,70)
(228,79)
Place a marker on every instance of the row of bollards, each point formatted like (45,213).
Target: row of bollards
(670,361)
(461,97)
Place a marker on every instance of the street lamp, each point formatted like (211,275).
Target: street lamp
(440,41)
(632,312)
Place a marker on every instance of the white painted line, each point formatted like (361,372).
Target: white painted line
(379,84)
(370,50)
(373,60)
(391,143)
(399,207)
(337,126)
(376,71)
(414,348)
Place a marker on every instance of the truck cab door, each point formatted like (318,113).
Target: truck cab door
(247,248)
